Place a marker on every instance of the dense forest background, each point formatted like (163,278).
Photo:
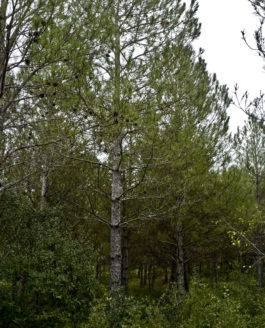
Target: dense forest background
(124,200)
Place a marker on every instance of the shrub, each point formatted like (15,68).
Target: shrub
(47,276)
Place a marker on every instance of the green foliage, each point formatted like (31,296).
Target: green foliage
(47,274)
(226,305)
(130,312)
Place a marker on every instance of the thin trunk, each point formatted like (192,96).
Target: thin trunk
(139,272)
(145,274)
(211,271)
(3,51)
(216,271)
(153,277)
(115,234)
(150,276)
(116,188)
(173,272)
(180,261)
(3,64)
(141,269)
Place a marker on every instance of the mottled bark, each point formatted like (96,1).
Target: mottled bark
(3,63)
(44,185)
(3,50)
(116,187)
(115,234)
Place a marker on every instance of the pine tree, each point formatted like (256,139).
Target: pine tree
(250,143)
(126,77)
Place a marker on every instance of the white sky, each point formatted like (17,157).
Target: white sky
(226,53)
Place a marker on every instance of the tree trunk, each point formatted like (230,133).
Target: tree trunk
(173,272)
(216,271)
(211,271)
(180,261)
(3,51)
(145,275)
(115,234)
(150,280)
(116,187)
(141,270)
(200,268)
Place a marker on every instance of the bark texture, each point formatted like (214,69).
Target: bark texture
(115,233)
(44,185)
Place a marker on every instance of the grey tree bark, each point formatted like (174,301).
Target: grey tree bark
(115,233)
(3,50)
(3,63)
(44,185)
(116,188)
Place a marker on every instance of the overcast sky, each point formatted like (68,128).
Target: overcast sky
(226,53)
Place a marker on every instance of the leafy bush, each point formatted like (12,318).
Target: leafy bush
(47,275)
(226,305)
